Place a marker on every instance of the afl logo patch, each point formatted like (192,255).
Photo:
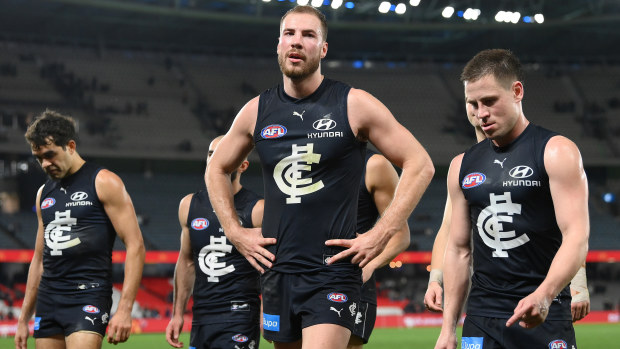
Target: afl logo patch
(200,224)
(47,203)
(239,338)
(473,180)
(558,344)
(521,172)
(91,309)
(79,196)
(337,297)
(273,131)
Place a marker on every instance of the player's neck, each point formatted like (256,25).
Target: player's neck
(300,88)
(514,133)
(236,186)
(78,162)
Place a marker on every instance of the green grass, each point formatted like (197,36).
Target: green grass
(589,336)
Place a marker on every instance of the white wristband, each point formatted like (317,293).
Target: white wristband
(579,285)
(436,275)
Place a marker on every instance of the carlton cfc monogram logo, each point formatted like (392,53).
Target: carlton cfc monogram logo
(287,173)
(208,259)
(491,228)
(54,233)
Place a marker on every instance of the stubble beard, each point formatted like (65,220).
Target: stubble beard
(301,71)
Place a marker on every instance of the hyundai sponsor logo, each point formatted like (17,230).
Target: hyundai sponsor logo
(473,180)
(273,131)
(521,172)
(337,297)
(200,224)
(324,124)
(79,196)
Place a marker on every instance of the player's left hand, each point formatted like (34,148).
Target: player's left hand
(119,328)
(579,310)
(580,305)
(531,311)
(362,249)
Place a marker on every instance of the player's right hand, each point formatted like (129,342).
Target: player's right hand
(250,243)
(21,336)
(446,340)
(531,311)
(433,297)
(173,331)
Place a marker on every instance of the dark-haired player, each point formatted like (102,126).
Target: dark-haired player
(81,209)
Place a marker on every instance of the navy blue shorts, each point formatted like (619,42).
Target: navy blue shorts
(227,331)
(292,302)
(491,333)
(365,321)
(64,314)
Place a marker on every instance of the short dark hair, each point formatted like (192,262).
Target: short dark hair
(51,125)
(502,64)
(308,10)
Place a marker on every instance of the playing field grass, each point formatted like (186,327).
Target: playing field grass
(589,336)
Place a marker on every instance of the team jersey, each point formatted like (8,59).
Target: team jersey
(225,280)
(78,235)
(312,165)
(367,215)
(515,233)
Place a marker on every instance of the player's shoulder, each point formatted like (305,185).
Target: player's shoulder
(184,205)
(561,153)
(109,186)
(455,163)
(251,107)
(359,95)
(106,177)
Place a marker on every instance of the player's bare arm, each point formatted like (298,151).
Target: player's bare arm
(32,284)
(371,120)
(580,302)
(232,150)
(456,260)
(257,213)
(381,181)
(119,208)
(184,277)
(569,191)
(434,292)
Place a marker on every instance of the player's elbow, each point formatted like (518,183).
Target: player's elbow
(404,239)
(136,248)
(426,169)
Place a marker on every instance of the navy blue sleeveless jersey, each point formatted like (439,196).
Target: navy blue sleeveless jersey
(515,233)
(312,165)
(225,280)
(367,215)
(78,235)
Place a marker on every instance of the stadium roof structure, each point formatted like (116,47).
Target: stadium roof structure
(572,31)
